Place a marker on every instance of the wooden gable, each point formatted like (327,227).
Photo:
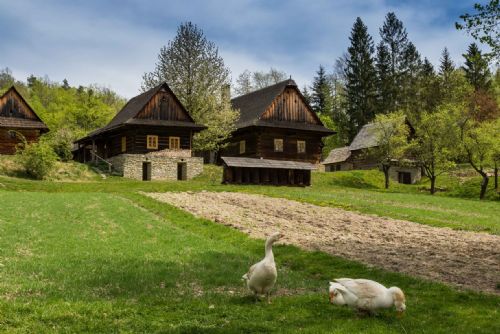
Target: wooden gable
(164,106)
(12,104)
(290,106)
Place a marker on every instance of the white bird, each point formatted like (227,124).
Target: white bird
(336,297)
(261,276)
(366,295)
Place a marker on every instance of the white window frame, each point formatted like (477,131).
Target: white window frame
(278,144)
(299,142)
(152,142)
(242,146)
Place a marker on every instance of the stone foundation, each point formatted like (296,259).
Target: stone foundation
(163,164)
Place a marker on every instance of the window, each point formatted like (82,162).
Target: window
(124,144)
(278,145)
(12,134)
(152,142)
(242,146)
(301,146)
(174,143)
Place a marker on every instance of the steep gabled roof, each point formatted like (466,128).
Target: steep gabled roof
(368,136)
(21,122)
(254,104)
(337,155)
(136,104)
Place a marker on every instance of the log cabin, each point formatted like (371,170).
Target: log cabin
(356,156)
(149,139)
(17,121)
(278,138)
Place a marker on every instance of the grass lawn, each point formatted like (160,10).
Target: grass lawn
(357,190)
(89,261)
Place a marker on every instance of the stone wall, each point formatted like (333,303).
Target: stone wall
(163,164)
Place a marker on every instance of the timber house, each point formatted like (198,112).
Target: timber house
(149,139)
(277,138)
(17,121)
(356,156)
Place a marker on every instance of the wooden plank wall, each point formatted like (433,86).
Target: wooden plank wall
(233,148)
(289,106)
(11,105)
(313,146)
(8,144)
(163,106)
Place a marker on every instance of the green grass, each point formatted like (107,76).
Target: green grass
(357,190)
(121,262)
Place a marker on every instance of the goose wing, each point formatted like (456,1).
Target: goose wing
(363,289)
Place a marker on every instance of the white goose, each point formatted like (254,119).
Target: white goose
(261,276)
(336,297)
(366,295)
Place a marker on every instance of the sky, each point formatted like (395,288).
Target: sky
(113,42)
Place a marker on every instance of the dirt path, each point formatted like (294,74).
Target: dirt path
(465,259)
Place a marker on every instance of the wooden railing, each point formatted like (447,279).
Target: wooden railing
(96,158)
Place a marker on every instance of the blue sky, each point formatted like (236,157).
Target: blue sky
(112,43)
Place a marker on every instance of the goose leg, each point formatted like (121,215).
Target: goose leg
(268,297)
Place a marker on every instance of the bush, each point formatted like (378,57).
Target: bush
(62,143)
(38,159)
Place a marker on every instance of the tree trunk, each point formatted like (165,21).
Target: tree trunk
(484,185)
(385,168)
(496,176)
(433,184)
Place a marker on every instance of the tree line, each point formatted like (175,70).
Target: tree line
(453,111)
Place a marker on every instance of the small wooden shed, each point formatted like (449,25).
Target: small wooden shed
(17,121)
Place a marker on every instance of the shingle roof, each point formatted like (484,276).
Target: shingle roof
(337,155)
(266,163)
(367,137)
(254,104)
(22,123)
(135,105)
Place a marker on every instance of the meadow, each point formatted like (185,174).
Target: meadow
(98,256)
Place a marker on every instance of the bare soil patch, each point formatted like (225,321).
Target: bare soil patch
(465,259)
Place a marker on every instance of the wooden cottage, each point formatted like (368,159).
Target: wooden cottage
(17,121)
(356,156)
(277,140)
(150,138)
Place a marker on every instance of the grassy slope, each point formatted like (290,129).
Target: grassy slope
(358,191)
(92,262)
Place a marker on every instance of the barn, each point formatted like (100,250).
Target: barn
(355,156)
(149,139)
(278,138)
(18,121)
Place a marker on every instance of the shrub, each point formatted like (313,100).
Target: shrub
(38,159)
(62,143)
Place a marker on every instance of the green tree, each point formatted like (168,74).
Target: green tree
(395,38)
(196,73)
(392,141)
(429,95)
(321,97)
(411,68)
(307,95)
(248,82)
(483,26)
(479,141)
(38,159)
(360,78)
(436,135)
(385,94)
(476,69)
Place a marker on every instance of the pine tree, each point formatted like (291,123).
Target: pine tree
(411,67)
(360,78)
(394,36)
(321,97)
(307,95)
(196,73)
(446,68)
(65,84)
(429,87)
(385,86)
(476,69)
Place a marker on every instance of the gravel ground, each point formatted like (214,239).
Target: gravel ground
(465,259)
